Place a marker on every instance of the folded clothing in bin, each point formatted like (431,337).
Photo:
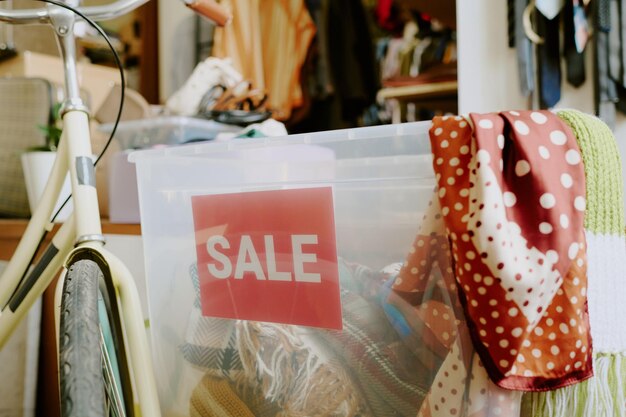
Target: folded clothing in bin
(363,370)
(271,367)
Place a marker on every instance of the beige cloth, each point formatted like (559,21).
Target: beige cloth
(268,42)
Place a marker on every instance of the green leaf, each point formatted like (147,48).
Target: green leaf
(52,131)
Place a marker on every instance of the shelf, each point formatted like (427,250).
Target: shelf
(420,91)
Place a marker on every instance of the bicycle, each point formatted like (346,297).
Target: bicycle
(97,302)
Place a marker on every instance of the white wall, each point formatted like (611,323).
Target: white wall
(171,14)
(488,77)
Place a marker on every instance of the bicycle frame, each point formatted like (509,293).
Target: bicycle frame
(79,238)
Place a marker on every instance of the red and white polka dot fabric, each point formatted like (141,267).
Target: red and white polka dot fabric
(459,383)
(511,191)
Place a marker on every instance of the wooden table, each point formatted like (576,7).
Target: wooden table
(11,231)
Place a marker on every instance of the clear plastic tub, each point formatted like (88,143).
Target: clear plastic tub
(166,130)
(381,181)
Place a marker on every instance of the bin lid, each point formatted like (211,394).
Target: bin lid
(342,142)
(170,130)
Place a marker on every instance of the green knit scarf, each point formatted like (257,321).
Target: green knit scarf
(604,394)
(603,172)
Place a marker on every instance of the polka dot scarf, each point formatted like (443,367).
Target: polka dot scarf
(504,244)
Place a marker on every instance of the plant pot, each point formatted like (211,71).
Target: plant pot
(37,167)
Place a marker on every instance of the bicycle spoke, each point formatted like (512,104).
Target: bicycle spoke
(114,402)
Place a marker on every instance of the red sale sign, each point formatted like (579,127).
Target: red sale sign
(269,256)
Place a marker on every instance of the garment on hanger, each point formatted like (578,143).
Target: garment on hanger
(574,26)
(390,63)
(549,61)
(614,45)
(549,8)
(268,42)
(524,49)
(387,16)
(351,54)
(605,88)
(510,20)
(415,53)
(345,51)
(319,81)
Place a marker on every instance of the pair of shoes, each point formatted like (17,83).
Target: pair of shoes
(240,104)
(236,117)
(241,96)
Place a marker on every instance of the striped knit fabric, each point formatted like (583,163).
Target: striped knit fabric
(604,395)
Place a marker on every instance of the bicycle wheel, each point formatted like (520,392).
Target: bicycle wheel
(94,375)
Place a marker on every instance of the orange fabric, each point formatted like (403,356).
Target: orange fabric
(268,41)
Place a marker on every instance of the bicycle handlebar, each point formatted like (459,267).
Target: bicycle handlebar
(25,17)
(207,8)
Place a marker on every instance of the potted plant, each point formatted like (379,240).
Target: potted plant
(37,164)
(52,131)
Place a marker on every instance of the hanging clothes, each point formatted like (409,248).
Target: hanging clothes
(524,49)
(352,58)
(268,42)
(319,81)
(342,79)
(574,42)
(605,88)
(549,61)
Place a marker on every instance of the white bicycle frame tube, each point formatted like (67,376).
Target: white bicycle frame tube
(82,230)
(138,349)
(63,242)
(35,229)
(84,196)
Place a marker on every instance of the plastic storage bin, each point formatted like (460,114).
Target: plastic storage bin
(175,130)
(381,182)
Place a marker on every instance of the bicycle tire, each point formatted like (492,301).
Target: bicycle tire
(83,386)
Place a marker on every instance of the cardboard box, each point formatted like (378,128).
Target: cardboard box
(96,80)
